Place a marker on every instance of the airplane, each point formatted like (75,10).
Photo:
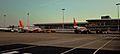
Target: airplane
(5,29)
(9,29)
(23,29)
(79,29)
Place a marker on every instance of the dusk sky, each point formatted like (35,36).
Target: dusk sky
(49,11)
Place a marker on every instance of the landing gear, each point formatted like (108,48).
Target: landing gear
(21,31)
(82,32)
(99,32)
(76,31)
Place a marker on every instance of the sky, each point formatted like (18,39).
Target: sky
(50,11)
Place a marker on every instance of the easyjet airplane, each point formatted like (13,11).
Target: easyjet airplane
(80,29)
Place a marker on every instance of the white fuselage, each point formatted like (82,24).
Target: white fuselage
(81,29)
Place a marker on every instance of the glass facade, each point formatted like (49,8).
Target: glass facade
(59,25)
(104,24)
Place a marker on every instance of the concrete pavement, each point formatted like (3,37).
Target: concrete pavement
(68,42)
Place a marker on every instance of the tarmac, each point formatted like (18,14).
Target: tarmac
(59,43)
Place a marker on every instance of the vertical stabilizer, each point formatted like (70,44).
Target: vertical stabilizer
(75,23)
(21,25)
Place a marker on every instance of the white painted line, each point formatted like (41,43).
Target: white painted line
(27,53)
(103,46)
(18,48)
(80,46)
(12,52)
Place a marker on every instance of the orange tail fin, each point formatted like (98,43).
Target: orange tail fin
(75,24)
(21,25)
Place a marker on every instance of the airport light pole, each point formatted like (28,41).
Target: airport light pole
(28,19)
(4,20)
(63,18)
(118,14)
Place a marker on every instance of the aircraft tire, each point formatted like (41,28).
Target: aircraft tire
(76,31)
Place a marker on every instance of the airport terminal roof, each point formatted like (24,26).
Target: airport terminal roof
(102,20)
(60,23)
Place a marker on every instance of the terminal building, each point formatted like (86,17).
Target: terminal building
(60,25)
(104,24)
